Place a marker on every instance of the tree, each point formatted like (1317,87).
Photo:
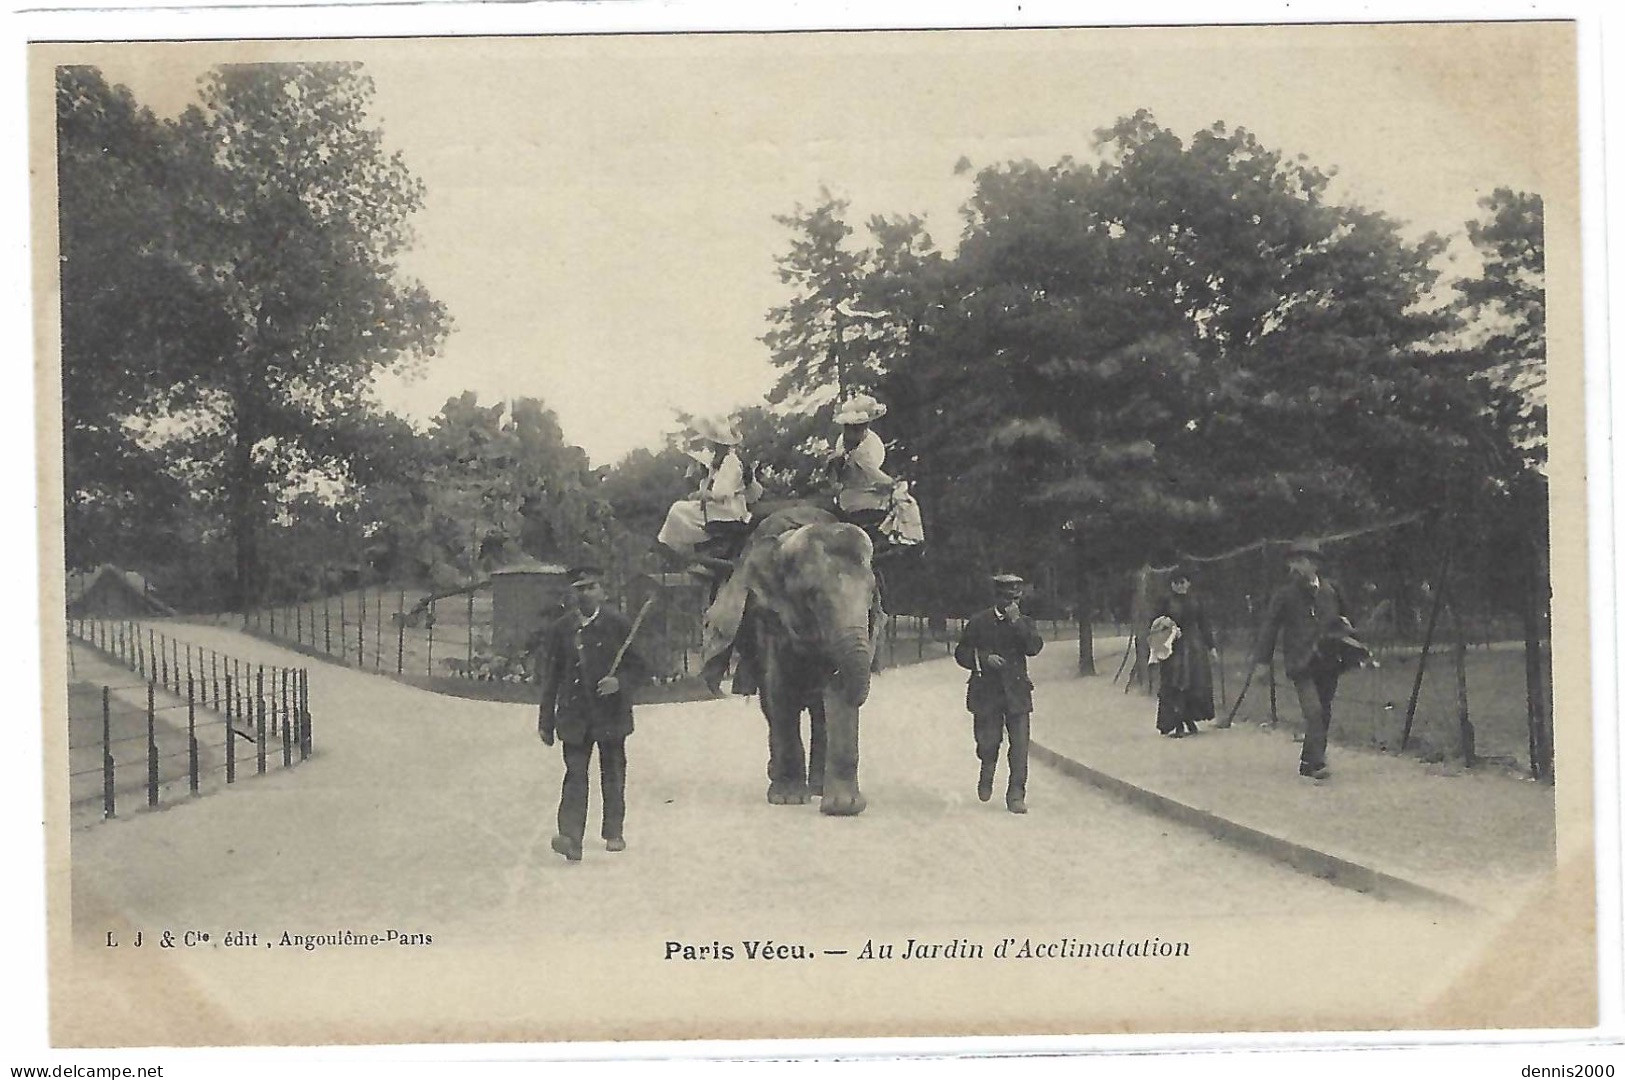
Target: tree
(292,216)
(1506,305)
(1506,311)
(1182,346)
(811,339)
(496,483)
(135,323)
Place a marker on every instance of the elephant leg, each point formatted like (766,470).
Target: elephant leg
(816,748)
(786,759)
(841,794)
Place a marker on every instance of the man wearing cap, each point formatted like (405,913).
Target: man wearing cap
(994,647)
(1307,614)
(588,670)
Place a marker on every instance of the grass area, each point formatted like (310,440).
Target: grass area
(127,730)
(1371,703)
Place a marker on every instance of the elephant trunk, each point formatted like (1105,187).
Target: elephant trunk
(852,658)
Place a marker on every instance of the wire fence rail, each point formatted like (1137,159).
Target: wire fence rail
(449,639)
(195,716)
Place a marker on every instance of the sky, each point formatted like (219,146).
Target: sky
(599,217)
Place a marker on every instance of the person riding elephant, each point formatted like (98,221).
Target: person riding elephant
(800,609)
(865,494)
(720,504)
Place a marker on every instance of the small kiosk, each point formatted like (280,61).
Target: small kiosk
(525,596)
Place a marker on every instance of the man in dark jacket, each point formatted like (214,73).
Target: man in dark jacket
(586,702)
(994,647)
(1317,643)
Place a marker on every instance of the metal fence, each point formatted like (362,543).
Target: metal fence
(195,715)
(401,632)
(395,631)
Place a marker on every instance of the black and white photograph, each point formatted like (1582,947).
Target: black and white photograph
(874,534)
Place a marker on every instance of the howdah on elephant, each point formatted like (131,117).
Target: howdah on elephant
(800,611)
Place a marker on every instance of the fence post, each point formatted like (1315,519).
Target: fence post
(152,748)
(400,637)
(304,713)
(1275,716)
(344,632)
(299,625)
(214,677)
(470,668)
(1440,588)
(361,631)
(378,630)
(1464,721)
(191,735)
(107,755)
(287,727)
(231,737)
(429,617)
(259,715)
(271,611)
(327,629)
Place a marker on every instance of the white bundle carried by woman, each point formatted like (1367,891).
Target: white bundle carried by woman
(1164,632)
(902,524)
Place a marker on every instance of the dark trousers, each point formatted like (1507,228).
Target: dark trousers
(612,785)
(1316,688)
(990,729)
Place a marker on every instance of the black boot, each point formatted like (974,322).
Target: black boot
(984,785)
(714,671)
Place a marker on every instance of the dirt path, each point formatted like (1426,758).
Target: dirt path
(428,814)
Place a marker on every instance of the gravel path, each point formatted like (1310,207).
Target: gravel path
(428,814)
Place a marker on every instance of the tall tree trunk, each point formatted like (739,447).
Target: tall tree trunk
(1540,731)
(1085,612)
(245,486)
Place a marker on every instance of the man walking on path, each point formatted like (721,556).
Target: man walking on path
(587,673)
(1308,615)
(994,647)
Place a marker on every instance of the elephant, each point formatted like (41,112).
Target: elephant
(801,609)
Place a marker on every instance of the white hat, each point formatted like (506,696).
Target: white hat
(713,431)
(860,410)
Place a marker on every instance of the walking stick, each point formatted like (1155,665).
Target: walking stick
(1128,652)
(620,653)
(1239,697)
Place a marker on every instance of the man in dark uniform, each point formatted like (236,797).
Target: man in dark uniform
(994,647)
(586,702)
(1317,643)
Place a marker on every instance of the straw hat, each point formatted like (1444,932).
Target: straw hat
(713,431)
(862,409)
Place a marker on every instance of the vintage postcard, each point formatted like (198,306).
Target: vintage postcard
(726,536)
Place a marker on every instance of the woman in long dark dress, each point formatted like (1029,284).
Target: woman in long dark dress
(1185,694)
